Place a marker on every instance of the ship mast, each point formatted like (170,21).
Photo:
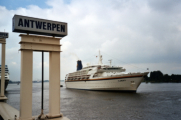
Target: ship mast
(100,59)
(110,62)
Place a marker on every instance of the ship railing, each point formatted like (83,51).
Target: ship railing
(78,73)
(79,77)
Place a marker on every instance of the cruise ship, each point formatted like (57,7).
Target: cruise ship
(103,77)
(6,76)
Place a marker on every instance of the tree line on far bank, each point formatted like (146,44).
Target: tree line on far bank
(159,77)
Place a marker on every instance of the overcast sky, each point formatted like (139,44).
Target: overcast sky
(134,34)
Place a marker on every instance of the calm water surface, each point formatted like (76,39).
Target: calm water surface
(150,102)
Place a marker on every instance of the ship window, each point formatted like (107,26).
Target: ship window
(113,68)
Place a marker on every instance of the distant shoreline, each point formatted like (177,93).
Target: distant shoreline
(18,82)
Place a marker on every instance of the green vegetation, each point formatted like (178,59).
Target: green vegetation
(159,77)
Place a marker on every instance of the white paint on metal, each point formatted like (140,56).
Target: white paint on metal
(112,84)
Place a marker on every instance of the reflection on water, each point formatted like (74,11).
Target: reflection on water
(151,102)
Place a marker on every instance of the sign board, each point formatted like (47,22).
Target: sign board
(24,24)
(4,35)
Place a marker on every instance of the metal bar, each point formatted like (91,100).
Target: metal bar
(42,80)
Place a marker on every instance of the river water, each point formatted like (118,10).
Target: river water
(151,102)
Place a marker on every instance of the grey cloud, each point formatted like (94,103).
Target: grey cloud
(166,6)
(137,32)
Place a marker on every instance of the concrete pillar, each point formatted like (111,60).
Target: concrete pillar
(3,69)
(30,43)
(54,83)
(26,84)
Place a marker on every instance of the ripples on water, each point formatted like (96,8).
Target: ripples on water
(150,102)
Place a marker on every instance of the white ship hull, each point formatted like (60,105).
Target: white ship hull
(103,77)
(118,84)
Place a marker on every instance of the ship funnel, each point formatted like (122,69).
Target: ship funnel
(79,65)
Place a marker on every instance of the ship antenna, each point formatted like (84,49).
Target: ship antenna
(100,58)
(110,61)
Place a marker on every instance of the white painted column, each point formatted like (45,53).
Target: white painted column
(26,84)
(3,69)
(54,83)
